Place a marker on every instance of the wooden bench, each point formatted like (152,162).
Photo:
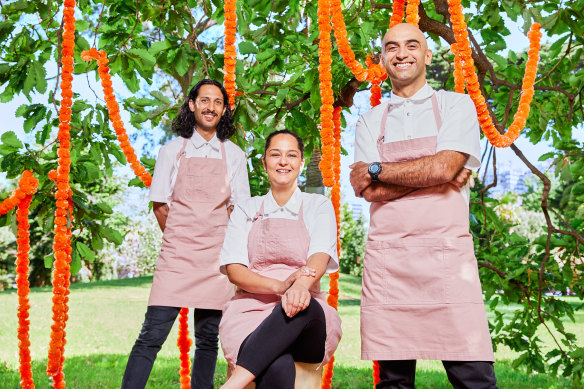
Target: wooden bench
(307,376)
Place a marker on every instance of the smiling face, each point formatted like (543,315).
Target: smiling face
(283,161)
(405,56)
(208,107)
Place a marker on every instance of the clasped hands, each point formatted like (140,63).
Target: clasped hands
(296,296)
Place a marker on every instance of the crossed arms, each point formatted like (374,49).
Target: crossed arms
(400,178)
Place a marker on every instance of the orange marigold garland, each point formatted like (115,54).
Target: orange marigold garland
(463,51)
(397,13)
(21,198)
(184,343)
(114,113)
(412,16)
(22,262)
(230,56)
(326,92)
(458,75)
(27,186)
(333,296)
(62,243)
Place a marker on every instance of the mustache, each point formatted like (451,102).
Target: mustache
(209,113)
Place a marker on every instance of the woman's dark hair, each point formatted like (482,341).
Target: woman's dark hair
(295,135)
(184,123)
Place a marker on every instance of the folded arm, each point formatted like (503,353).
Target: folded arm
(400,178)
(250,281)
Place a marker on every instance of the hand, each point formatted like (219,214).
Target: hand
(360,178)
(373,192)
(461,178)
(304,271)
(296,299)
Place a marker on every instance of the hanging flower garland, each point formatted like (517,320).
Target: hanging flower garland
(21,198)
(463,51)
(230,56)
(458,75)
(23,289)
(412,16)
(184,344)
(397,12)
(326,92)
(27,186)
(62,243)
(114,113)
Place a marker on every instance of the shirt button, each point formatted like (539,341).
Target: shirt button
(409,114)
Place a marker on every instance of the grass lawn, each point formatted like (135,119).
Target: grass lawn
(105,318)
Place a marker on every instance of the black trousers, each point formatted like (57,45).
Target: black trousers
(270,350)
(157,324)
(462,375)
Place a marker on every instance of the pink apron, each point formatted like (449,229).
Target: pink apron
(187,272)
(421,296)
(276,248)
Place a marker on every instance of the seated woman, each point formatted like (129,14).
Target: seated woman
(276,249)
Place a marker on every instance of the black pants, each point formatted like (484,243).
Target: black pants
(155,329)
(462,375)
(270,350)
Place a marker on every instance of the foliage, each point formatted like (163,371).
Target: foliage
(353,237)
(158,49)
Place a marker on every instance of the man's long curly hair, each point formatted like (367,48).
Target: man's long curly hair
(184,123)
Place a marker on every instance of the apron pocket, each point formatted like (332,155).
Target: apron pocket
(462,274)
(413,270)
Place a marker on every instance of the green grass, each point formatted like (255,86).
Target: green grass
(105,318)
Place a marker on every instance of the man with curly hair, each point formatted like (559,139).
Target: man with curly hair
(197,179)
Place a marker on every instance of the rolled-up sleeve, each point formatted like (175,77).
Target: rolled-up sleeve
(460,129)
(234,248)
(161,180)
(239,181)
(323,233)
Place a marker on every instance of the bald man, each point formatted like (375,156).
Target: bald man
(421,296)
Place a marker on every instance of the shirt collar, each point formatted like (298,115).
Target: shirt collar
(198,141)
(292,206)
(424,93)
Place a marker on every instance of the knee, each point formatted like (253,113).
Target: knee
(314,310)
(152,335)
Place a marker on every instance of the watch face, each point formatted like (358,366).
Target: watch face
(374,168)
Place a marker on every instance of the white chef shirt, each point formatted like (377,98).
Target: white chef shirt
(319,219)
(413,117)
(166,169)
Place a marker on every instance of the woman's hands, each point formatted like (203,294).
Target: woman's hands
(296,299)
(304,271)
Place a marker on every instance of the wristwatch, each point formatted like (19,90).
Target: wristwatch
(374,170)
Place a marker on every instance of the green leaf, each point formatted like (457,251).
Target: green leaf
(111,235)
(85,252)
(247,47)
(10,139)
(158,46)
(105,208)
(147,57)
(282,93)
(48,261)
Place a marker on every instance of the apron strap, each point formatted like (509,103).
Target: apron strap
(382,125)
(436,111)
(301,213)
(259,213)
(224,157)
(182,149)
